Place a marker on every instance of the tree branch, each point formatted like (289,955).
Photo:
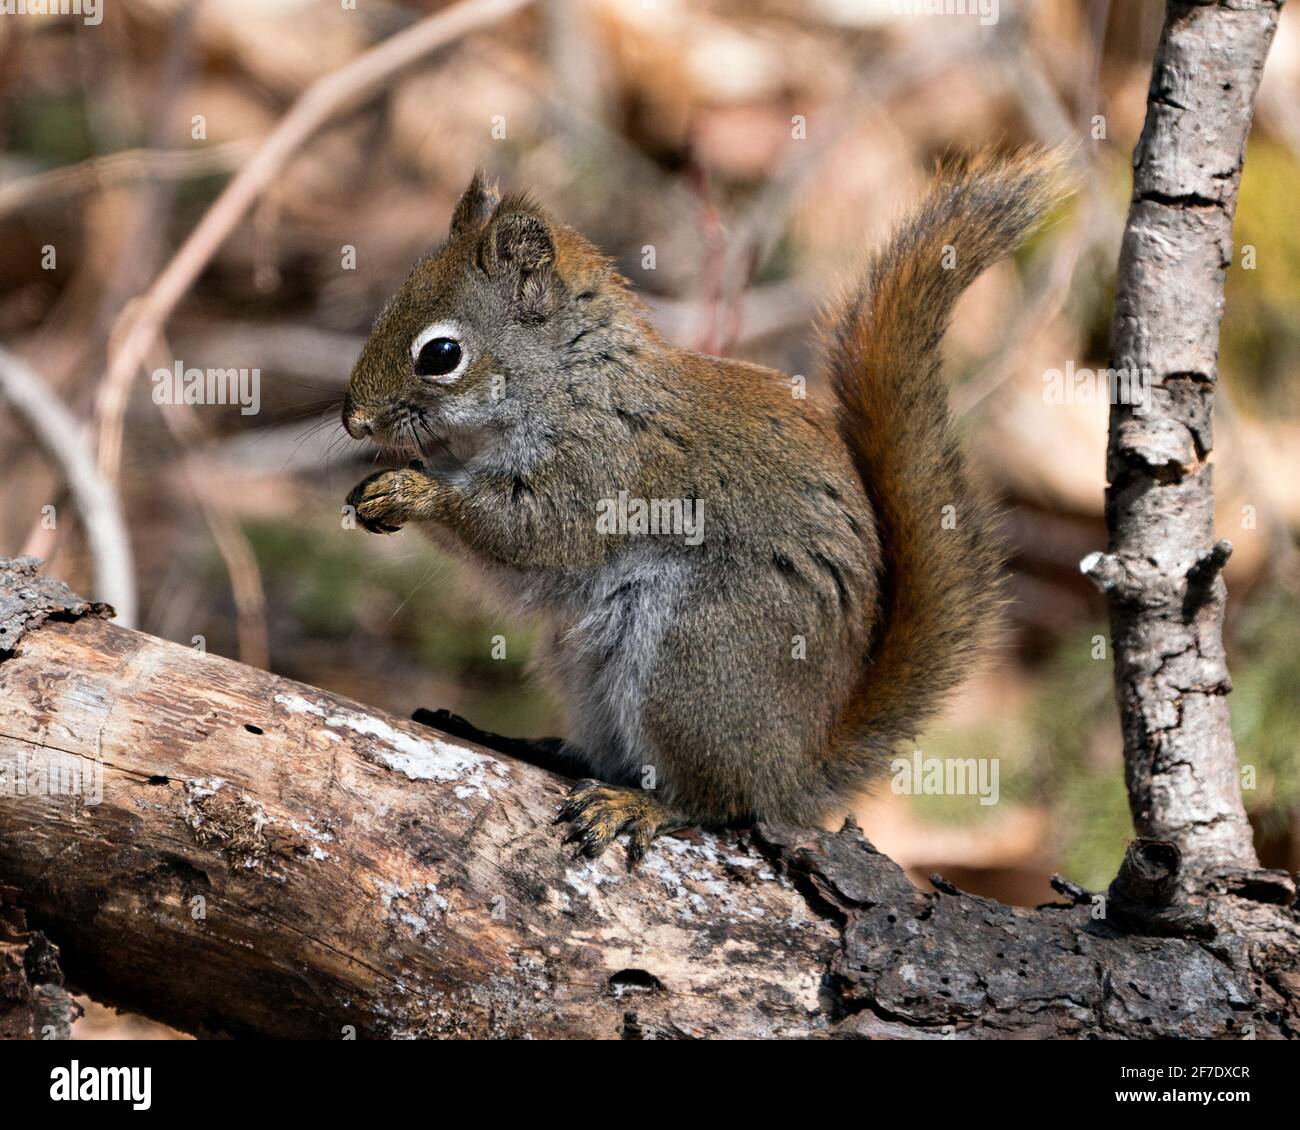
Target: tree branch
(1162,573)
(62,439)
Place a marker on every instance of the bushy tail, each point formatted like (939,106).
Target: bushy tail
(941,577)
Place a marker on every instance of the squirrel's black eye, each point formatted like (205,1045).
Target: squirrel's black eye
(438,357)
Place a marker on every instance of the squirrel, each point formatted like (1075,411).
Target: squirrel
(766,667)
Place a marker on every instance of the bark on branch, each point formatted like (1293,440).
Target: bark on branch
(238,854)
(1162,572)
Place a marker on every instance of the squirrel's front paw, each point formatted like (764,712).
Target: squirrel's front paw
(385,501)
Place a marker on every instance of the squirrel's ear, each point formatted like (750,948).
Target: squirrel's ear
(475,206)
(522,240)
(518,247)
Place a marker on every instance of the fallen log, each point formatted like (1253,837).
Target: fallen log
(234,853)
(237,854)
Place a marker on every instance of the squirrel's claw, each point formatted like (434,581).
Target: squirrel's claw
(598,813)
(385,501)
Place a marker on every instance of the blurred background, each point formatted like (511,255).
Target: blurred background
(736,159)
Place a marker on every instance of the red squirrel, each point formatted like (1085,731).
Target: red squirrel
(762,661)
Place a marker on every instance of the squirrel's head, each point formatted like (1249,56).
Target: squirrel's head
(478,333)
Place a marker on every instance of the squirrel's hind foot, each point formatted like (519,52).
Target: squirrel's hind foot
(598,812)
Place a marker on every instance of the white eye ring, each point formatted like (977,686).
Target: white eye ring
(442,329)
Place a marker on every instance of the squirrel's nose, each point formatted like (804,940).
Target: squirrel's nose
(355,422)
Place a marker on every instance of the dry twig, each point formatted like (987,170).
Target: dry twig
(62,438)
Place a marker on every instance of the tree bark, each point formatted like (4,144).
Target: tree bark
(34,1005)
(237,854)
(1162,571)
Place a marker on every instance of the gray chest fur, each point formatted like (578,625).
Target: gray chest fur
(605,631)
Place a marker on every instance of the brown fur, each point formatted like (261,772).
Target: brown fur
(883,347)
